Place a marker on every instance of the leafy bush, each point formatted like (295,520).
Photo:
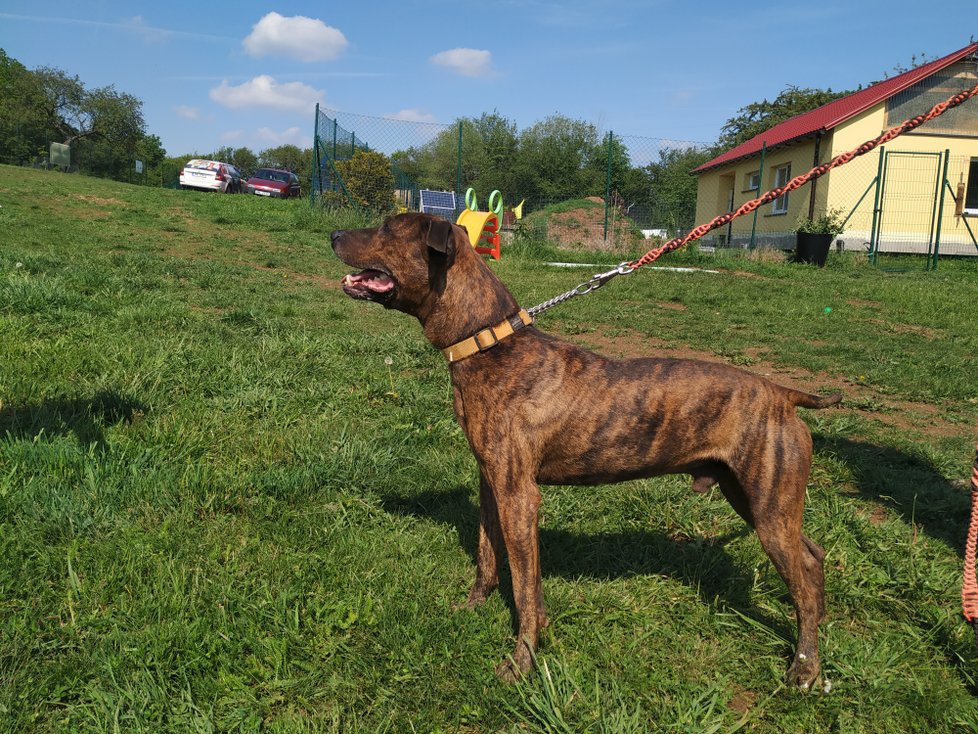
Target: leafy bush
(368,180)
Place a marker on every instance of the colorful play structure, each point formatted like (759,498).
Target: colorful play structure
(483,227)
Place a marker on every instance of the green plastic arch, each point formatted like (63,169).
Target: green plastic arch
(496,208)
(470,201)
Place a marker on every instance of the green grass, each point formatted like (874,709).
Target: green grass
(220,511)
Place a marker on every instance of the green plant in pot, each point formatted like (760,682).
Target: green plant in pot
(815,236)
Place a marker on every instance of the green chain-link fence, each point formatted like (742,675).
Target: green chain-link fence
(80,159)
(560,180)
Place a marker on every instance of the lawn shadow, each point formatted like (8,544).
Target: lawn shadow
(85,418)
(701,563)
(909,484)
(916,489)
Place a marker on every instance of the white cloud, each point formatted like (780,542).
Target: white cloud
(187,113)
(231,136)
(264,91)
(292,135)
(413,115)
(465,61)
(296,37)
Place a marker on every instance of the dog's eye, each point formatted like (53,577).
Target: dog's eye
(385,228)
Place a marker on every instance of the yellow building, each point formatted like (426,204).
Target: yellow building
(893,198)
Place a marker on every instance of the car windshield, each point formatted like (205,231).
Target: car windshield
(271,175)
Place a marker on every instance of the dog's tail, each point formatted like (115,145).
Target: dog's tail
(807,400)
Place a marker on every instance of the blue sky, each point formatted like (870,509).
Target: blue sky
(249,73)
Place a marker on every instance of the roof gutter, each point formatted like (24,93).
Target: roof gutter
(814,134)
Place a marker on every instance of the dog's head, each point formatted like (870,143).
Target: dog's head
(401,263)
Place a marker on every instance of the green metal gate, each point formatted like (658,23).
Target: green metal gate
(907,209)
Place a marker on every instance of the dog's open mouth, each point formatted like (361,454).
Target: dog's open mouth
(368,284)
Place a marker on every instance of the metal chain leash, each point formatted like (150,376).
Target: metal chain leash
(588,286)
(654,254)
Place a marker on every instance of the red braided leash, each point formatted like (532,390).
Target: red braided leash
(798,181)
(969,585)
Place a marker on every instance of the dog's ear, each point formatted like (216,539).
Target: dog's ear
(440,236)
(441,249)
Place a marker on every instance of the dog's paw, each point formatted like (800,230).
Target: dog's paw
(475,599)
(803,673)
(508,672)
(513,667)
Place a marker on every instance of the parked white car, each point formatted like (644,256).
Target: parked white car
(210,176)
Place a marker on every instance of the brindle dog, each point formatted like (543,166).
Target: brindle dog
(538,410)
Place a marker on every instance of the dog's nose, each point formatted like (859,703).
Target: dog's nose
(336,236)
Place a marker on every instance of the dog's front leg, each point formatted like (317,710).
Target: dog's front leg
(489,549)
(517,500)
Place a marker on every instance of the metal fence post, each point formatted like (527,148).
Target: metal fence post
(607,186)
(315,160)
(458,175)
(940,206)
(877,211)
(760,188)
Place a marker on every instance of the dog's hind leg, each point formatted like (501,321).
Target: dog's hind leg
(814,566)
(780,534)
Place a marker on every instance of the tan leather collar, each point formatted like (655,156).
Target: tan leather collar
(487,338)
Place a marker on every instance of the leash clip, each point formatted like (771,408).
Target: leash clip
(599,279)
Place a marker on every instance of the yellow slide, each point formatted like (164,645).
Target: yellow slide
(475,223)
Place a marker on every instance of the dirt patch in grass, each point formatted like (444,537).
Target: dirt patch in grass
(859,303)
(923,331)
(323,281)
(742,700)
(99,200)
(928,419)
(584,228)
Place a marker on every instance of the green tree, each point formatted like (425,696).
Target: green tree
(245,161)
(435,164)
(755,118)
(105,127)
(241,158)
(620,167)
(497,154)
(558,159)
(290,157)
(25,129)
(671,187)
(224,154)
(77,113)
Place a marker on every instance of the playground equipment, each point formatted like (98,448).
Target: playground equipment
(482,226)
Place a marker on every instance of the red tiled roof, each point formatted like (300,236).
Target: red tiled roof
(834,113)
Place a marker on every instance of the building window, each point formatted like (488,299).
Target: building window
(782,174)
(971,196)
(752,181)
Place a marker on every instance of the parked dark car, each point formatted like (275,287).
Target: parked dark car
(273,182)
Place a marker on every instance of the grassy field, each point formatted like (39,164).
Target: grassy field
(221,510)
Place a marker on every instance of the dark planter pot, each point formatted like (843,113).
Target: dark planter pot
(813,248)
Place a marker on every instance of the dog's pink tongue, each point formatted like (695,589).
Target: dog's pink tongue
(371,279)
